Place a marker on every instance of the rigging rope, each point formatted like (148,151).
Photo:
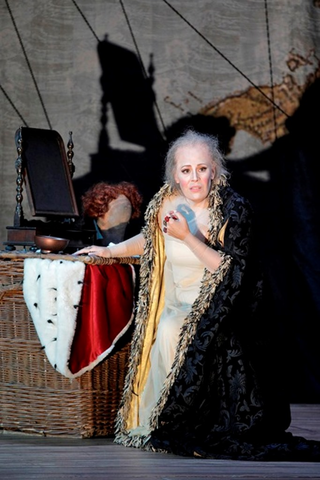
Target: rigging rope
(225,58)
(28,63)
(270,68)
(86,21)
(13,106)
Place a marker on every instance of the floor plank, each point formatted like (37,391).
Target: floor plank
(25,457)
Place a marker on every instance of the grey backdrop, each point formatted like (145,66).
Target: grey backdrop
(124,75)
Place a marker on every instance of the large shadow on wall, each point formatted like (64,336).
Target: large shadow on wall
(127,91)
(287,210)
(218,126)
(287,204)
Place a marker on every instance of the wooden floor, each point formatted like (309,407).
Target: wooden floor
(24,457)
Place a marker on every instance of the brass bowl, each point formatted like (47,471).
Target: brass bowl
(48,244)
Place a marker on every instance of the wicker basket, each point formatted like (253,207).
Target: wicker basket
(34,397)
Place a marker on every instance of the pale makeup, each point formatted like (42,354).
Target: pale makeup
(194,172)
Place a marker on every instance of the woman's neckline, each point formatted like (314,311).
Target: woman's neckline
(181,199)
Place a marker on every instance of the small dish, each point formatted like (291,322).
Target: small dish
(49,244)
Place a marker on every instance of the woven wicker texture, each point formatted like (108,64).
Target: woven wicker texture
(36,399)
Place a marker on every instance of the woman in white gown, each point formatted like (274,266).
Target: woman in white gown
(199,380)
(193,164)
(183,273)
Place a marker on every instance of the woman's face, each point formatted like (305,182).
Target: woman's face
(194,171)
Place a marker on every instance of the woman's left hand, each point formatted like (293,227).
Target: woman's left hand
(175,225)
(94,250)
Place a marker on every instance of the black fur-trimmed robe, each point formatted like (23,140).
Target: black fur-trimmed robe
(223,397)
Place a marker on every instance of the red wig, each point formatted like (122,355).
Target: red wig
(96,200)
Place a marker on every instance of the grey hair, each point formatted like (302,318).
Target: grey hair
(190,137)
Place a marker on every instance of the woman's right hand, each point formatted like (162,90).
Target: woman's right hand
(176,225)
(94,250)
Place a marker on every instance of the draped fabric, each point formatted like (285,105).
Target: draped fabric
(287,218)
(223,397)
(79,311)
(104,315)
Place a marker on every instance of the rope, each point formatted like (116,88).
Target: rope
(270,68)
(13,106)
(86,21)
(225,58)
(28,63)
